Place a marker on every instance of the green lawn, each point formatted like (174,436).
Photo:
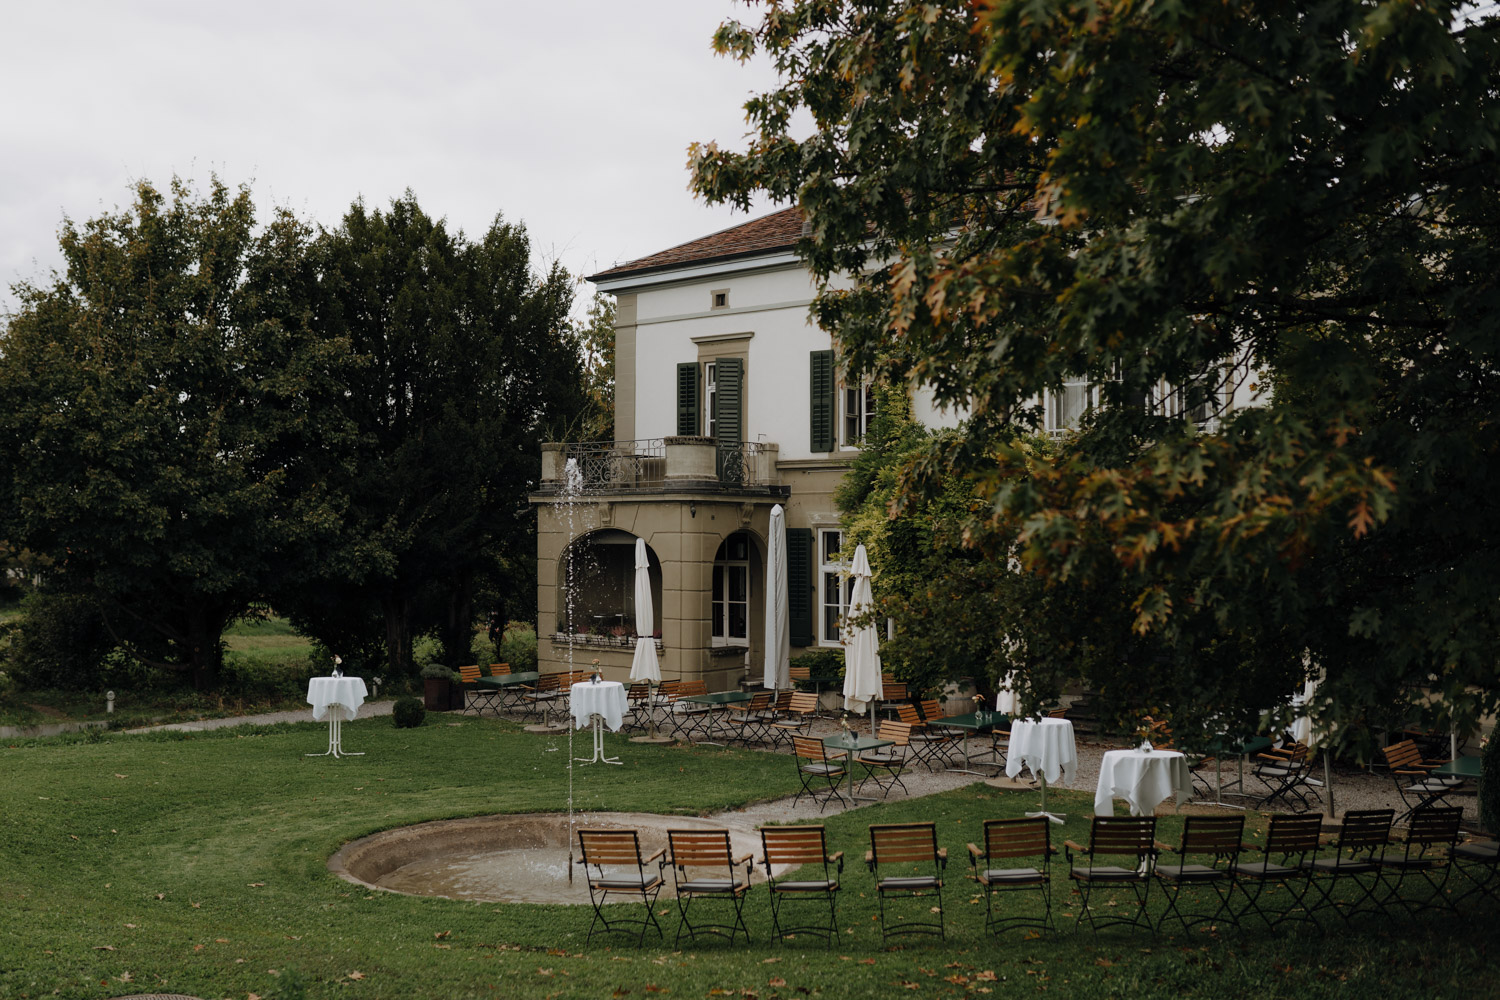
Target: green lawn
(195,863)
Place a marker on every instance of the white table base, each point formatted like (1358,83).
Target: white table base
(598,758)
(335,739)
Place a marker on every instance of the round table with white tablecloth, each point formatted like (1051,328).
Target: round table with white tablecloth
(338,699)
(602,702)
(1046,746)
(1143,778)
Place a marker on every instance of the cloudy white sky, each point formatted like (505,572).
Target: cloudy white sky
(572,116)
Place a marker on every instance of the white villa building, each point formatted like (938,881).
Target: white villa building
(728,401)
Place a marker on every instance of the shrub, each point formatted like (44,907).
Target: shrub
(517,647)
(408,712)
(823,662)
(59,642)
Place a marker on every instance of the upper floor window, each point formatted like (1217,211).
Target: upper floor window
(859,410)
(710,397)
(835,588)
(1065,408)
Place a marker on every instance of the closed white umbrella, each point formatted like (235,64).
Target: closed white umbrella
(644,666)
(1303,732)
(778,639)
(1006,700)
(861,648)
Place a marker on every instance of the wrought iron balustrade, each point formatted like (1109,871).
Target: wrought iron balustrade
(617,465)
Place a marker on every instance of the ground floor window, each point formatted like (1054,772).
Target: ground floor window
(834,587)
(730,611)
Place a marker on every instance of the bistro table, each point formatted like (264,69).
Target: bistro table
(851,744)
(716,702)
(509,685)
(1143,778)
(339,699)
(1242,749)
(599,702)
(1047,747)
(977,722)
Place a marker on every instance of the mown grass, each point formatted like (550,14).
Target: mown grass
(195,864)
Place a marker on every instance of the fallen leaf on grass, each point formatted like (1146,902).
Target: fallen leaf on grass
(867,961)
(256,885)
(126,977)
(197,947)
(1103,962)
(776,981)
(445,947)
(653,988)
(356,975)
(442,934)
(221,940)
(104,947)
(768,961)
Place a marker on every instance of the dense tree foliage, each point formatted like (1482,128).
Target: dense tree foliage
(461,361)
(1162,198)
(150,402)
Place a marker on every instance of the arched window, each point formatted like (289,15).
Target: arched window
(730,610)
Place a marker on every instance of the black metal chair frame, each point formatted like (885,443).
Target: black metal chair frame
(1216,838)
(814,763)
(1482,857)
(1006,839)
(886,759)
(476,695)
(927,746)
(913,848)
(1293,838)
(1426,852)
(1284,775)
(689,850)
(599,849)
(804,847)
(747,722)
(1412,773)
(1115,836)
(1363,835)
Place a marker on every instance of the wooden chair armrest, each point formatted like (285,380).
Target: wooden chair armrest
(836,856)
(1073,845)
(974,852)
(743,858)
(943,854)
(660,851)
(870,859)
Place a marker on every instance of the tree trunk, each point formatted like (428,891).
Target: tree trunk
(397,612)
(458,629)
(205,650)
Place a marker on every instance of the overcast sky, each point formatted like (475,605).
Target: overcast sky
(572,116)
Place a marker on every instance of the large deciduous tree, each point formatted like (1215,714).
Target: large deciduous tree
(462,361)
(152,394)
(1158,197)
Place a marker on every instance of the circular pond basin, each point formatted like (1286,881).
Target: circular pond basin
(506,859)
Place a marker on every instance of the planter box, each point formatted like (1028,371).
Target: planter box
(441,695)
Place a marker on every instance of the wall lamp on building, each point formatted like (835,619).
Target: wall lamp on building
(692,510)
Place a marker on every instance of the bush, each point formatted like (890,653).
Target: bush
(60,642)
(517,647)
(823,662)
(408,712)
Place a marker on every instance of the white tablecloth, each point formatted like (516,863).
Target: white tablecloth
(346,692)
(605,699)
(1047,747)
(1142,779)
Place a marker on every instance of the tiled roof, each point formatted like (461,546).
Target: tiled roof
(777,231)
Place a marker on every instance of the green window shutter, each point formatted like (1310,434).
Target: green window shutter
(688,424)
(822,402)
(728,400)
(799,585)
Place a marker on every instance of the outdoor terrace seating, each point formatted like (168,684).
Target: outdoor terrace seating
(1126,837)
(801,848)
(1413,776)
(613,865)
(1005,842)
(705,869)
(1291,840)
(1427,853)
(1214,840)
(912,849)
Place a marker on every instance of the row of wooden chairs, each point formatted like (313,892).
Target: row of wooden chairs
(803,880)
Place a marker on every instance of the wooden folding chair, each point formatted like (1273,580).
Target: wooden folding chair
(638,706)
(689,717)
(510,697)
(1294,839)
(802,678)
(474,695)
(1362,835)
(803,848)
(747,722)
(618,868)
(1413,776)
(704,868)
(815,766)
(890,761)
(1284,773)
(1130,837)
(1427,852)
(911,849)
(796,717)
(541,697)
(927,747)
(893,693)
(1006,840)
(1215,839)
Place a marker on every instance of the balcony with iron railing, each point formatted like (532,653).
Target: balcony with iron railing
(657,465)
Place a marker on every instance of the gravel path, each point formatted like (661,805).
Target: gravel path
(1352,788)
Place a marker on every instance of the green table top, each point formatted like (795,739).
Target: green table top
(720,698)
(1462,767)
(510,680)
(980,722)
(1226,746)
(854,743)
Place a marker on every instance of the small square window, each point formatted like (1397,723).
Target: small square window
(720,299)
